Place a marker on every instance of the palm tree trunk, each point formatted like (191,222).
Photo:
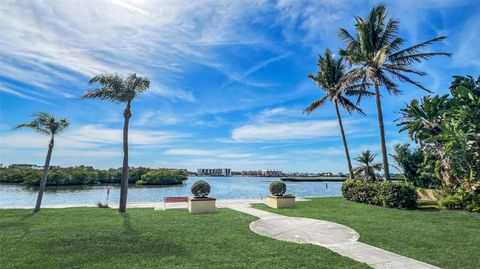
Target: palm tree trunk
(382,133)
(124,182)
(43,181)
(344,139)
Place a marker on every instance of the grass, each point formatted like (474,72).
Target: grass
(144,238)
(448,239)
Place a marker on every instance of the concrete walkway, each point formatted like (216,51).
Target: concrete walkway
(336,237)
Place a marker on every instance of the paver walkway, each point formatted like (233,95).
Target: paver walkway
(336,237)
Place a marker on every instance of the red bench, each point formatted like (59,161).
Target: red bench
(178,199)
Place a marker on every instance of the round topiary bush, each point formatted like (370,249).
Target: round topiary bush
(201,188)
(278,188)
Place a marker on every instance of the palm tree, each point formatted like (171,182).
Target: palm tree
(119,89)
(375,48)
(337,85)
(46,124)
(367,167)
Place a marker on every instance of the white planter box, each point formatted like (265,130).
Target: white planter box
(286,201)
(201,205)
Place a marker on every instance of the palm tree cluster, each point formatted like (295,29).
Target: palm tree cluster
(376,57)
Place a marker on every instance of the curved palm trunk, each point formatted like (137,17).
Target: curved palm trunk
(124,182)
(344,139)
(43,181)
(382,133)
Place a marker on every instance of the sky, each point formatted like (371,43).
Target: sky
(228,79)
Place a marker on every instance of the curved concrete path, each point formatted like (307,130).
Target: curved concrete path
(336,237)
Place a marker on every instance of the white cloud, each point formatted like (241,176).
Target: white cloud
(87,137)
(60,40)
(190,152)
(285,131)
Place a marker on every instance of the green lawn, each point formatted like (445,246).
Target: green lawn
(144,238)
(448,239)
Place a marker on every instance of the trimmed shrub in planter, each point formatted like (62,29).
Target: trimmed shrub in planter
(387,194)
(201,189)
(278,199)
(201,203)
(278,188)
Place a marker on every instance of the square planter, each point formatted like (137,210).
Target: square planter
(201,205)
(285,201)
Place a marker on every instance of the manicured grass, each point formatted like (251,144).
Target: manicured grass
(144,238)
(448,239)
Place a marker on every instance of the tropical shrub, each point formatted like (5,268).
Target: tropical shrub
(278,188)
(447,128)
(398,195)
(386,194)
(163,177)
(360,191)
(416,167)
(201,189)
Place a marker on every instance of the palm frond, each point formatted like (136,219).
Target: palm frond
(416,48)
(404,78)
(316,104)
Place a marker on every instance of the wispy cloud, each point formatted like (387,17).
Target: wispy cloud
(285,131)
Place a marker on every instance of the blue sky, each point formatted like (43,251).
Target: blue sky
(229,79)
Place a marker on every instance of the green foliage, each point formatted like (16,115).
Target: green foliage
(86,175)
(360,191)
(117,88)
(386,194)
(447,128)
(462,199)
(278,188)
(45,123)
(337,84)
(201,188)
(162,177)
(367,167)
(417,169)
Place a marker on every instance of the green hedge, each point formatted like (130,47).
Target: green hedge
(387,194)
(163,177)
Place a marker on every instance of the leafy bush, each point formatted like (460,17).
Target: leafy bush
(359,191)
(163,177)
(387,194)
(398,195)
(278,188)
(201,188)
(462,199)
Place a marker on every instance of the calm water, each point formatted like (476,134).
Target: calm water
(222,188)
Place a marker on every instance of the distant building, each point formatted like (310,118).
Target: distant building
(263,173)
(25,165)
(226,172)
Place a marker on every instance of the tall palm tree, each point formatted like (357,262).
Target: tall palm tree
(120,89)
(337,85)
(376,49)
(47,124)
(367,165)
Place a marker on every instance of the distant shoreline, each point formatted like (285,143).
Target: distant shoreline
(313,179)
